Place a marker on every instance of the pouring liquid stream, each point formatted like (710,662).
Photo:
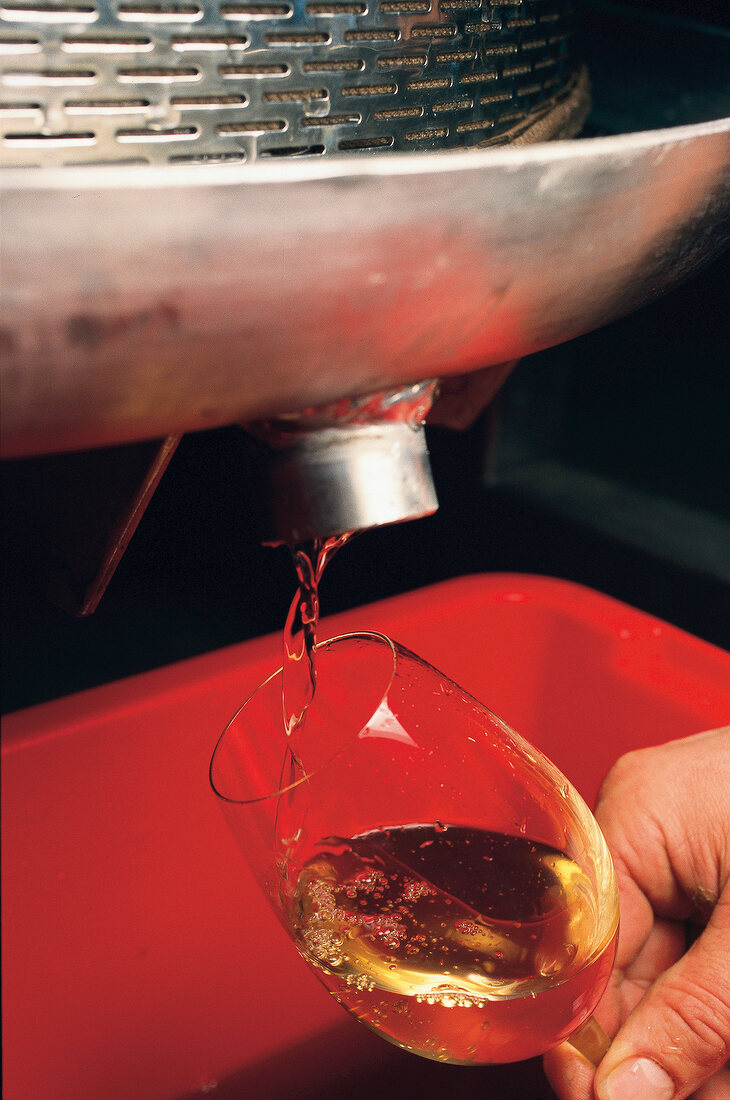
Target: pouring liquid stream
(299,669)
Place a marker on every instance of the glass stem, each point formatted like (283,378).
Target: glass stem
(591,1041)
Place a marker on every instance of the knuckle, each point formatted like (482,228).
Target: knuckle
(701,1016)
(627,804)
(624,769)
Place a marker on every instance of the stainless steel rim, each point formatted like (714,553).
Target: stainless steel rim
(288,173)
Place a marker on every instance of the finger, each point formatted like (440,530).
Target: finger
(664,946)
(678,1035)
(636,917)
(569,1073)
(663,812)
(717,1088)
(647,945)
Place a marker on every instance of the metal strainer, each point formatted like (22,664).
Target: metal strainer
(198,81)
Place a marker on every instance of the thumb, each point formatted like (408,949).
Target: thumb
(679,1033)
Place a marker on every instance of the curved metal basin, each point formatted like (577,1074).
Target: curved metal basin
(139,301)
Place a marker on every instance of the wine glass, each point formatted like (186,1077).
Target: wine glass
(442,878)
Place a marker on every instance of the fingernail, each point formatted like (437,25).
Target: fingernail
(640,1079)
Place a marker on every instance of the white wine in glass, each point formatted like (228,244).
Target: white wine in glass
(442,878)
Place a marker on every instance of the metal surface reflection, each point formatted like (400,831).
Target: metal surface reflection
(141,300)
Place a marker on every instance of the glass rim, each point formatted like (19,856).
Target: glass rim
(369,635)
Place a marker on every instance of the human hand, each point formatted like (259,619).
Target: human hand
(665,813)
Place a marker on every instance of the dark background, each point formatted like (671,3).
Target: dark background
(703,11)
(605,461)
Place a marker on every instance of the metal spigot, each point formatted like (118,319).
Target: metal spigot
(362,462)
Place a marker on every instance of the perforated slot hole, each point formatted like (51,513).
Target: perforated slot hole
(529,89)
(253,70)
(108,44)
(527,21)
(398,112)
(433,84)
(208,102)
(24,78)
(427,135)
(474,125)
(536,44)
(10,45)
(370,89)
(297,38)
(337,9)
(414,7)
(208,158)
(158,75)
(251,126)
(295,95)
(403,61)
(499,51)
(19,110)
(365,143)
(293,151)
(177,133)
(495,97)
(106,106)
(376,34)
(332,120)
(351,65)
(116,161)
(51,141)
(477,78)
(459,5)
(160,13)
(256,11)
(453,105)
(516,70)
(447,57)
(209,42)
(433,30)
(49,13)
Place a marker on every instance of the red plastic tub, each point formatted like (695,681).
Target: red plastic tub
(139,960)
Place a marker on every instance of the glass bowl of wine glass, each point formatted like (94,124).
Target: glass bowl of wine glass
(441,877)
